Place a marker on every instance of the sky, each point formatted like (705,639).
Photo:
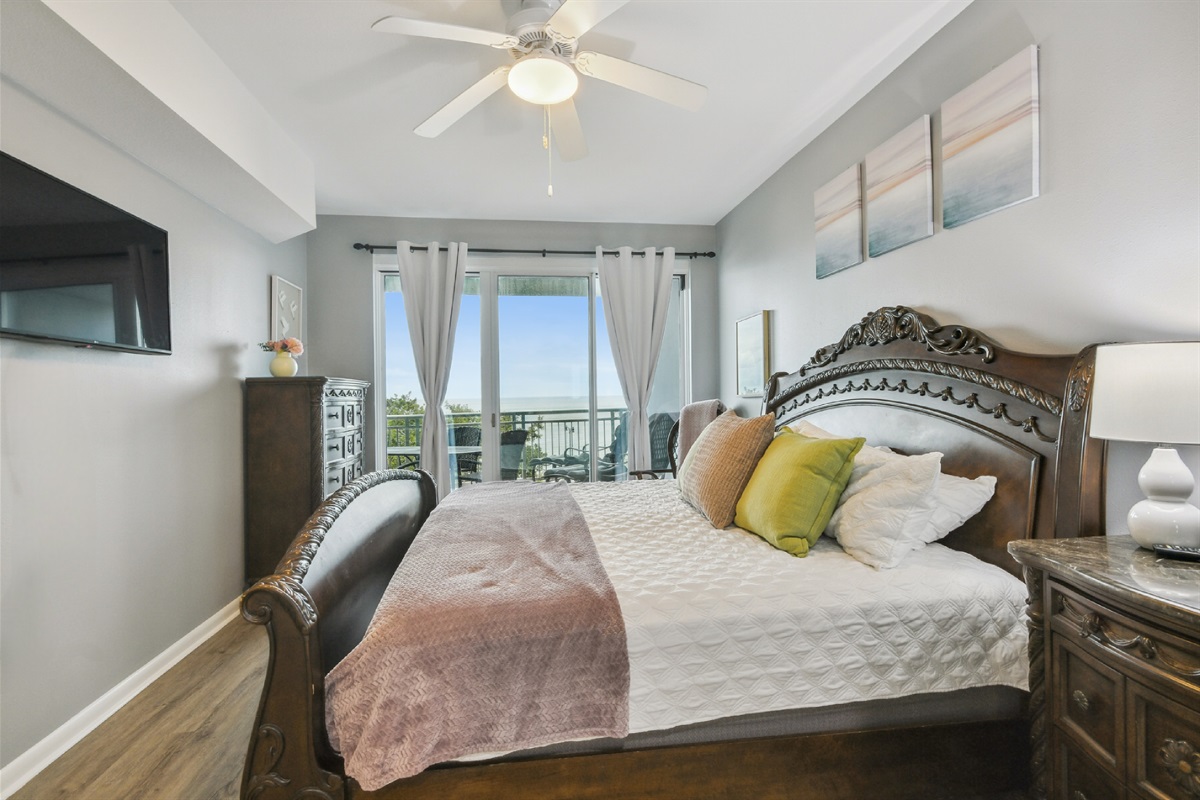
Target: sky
(543,352)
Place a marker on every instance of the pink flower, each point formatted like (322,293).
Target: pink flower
(290,345)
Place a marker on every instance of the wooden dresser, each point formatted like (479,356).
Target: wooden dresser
(302,440)
(1115,670)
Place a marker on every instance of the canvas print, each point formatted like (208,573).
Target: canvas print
(838,212)
(900,189)
(990,142)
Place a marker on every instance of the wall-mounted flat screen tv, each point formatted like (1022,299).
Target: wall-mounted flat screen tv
(77,270)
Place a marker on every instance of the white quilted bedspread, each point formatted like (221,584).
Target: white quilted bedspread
(719,623)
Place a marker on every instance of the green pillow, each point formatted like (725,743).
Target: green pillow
(794,490)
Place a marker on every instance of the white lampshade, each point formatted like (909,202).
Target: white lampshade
(1147,392)
(1151,393)
(543,78)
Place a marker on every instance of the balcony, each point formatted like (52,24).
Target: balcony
(550,435)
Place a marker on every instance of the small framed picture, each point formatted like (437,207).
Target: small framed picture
(287,309)
(753,354)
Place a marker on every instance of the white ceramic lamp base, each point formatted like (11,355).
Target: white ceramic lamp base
(1165,516)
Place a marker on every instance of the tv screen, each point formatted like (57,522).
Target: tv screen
(77,270)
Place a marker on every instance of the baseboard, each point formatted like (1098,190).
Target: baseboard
(24,767)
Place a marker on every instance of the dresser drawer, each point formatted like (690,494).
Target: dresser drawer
(343,444)
(1082,778)
(1088,702)
(343,414)
(1130,644)
(338,475)
(1164,755)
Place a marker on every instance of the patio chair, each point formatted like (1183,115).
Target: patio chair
(512,449)
(467,464)
(664,450)
(664,447)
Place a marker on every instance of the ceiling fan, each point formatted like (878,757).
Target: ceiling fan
(542,38)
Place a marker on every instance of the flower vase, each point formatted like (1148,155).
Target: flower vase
(283,365)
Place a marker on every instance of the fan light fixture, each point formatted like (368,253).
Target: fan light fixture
(543,78)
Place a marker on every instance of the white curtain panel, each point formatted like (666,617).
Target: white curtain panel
(636,293)
(432,295)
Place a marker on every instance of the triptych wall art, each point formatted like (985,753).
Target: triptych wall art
(900,189)
(989,161)
(839,223)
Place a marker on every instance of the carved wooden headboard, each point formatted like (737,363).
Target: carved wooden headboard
(902,380)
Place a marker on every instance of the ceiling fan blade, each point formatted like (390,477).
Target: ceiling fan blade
(453,111)
(574,18)
(651,82)
(567,131)
(444,30)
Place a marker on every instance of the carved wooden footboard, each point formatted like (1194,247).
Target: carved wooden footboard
(899,379)
(316,608)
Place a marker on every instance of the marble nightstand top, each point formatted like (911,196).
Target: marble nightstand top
(1115,565)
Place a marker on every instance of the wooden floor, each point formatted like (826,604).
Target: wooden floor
(184,738)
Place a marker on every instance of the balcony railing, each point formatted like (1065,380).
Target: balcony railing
(552,434)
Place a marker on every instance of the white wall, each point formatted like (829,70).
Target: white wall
(1109,252)
(340,293)
(121,474)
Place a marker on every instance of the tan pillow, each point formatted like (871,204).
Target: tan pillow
(720,462)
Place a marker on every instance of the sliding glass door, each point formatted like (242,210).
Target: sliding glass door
(533,391)
(543,381)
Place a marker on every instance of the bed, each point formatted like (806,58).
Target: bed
(897,378)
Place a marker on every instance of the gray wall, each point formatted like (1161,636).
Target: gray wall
(1110,250)
(340,293)
(121,474)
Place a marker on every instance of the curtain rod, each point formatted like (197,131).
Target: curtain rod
(371,248)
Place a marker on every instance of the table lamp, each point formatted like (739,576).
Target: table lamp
(1150,392)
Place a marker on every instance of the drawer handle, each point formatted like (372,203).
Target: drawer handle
(1078,795)
(1081,700)
(1182,763)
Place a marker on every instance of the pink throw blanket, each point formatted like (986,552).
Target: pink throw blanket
(499,631)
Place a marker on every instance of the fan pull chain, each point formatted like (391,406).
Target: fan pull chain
(547,134)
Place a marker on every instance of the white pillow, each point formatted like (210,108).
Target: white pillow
(956,500)
(886,513)
(910,513)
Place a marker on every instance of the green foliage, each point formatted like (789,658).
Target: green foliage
(404,404)
(406,431)
(407,403)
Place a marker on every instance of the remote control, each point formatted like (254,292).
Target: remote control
(1177,551)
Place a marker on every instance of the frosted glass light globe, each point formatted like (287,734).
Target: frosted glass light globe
(543,78)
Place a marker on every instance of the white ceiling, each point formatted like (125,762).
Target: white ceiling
(778,72)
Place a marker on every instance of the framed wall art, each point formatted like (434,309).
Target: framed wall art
(753,354)
(287,309)
(990,142)
(837,210)
(899,178)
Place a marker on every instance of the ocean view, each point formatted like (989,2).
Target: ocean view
(545,404)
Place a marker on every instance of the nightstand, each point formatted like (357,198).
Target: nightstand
(1114,670)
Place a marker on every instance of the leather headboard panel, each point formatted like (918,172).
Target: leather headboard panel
(968,451)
